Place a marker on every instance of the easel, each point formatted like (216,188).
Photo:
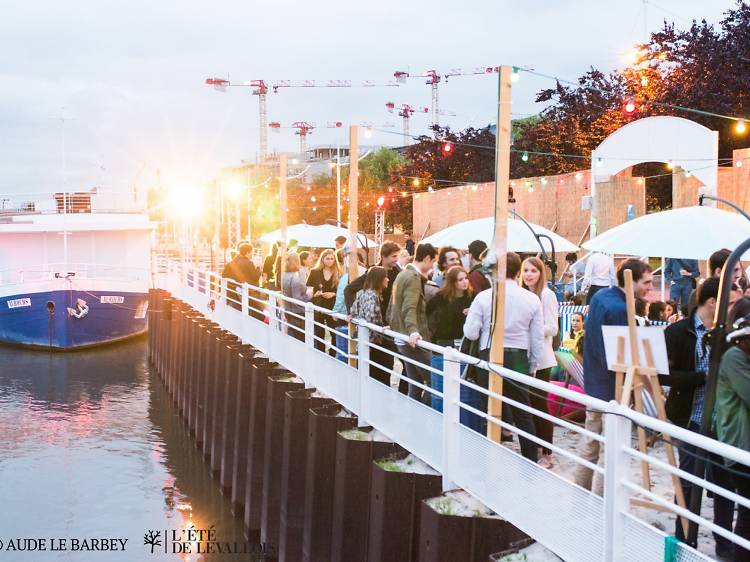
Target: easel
(633,380)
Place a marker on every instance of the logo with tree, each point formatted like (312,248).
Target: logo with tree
(152,539)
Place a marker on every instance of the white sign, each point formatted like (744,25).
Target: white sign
(653,334)
(111,299)
(18,303)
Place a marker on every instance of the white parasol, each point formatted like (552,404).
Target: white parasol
(520,236)
(309,236)
(688,232)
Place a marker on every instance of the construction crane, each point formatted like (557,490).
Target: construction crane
(305,128)
(434,78)
(258,88)
(406,110)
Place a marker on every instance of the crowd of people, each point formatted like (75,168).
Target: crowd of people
(445,296)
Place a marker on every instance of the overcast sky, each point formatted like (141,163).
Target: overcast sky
(128,77)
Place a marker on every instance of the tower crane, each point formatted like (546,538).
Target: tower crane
(258,88)
(406,110)
(304,128)
(433,78)
(261,88)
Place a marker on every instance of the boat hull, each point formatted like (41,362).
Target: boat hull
(71,319)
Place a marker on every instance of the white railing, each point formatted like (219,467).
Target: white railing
(72,202)
(72,271)
(570,520)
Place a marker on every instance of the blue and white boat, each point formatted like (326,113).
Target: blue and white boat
(74,271)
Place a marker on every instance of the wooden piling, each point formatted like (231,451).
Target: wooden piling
(278,386)
(294,459)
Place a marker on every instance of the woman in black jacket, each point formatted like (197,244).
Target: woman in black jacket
(324,279)
(446,311)
(446,314)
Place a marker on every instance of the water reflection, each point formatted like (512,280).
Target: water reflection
(91,448)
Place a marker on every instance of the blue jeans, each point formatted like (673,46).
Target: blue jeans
(342,344)
(680,291)
(436,382)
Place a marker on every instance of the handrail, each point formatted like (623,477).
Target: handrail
(438,443)
(712,445)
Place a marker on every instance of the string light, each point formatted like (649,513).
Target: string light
(670,165)
(740,127)
(738,163)
(543,180)
(415,182)
(515,74)
(579,175)
(688,173)
(525,156)
(599,162)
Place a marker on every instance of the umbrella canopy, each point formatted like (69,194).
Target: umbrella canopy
(322,236)
(520,237)
(688,232)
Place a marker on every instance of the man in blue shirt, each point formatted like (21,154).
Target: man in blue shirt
(683,274)
(608,308)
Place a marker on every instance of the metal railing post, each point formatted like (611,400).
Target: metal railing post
(363,370)
(451,415)
(617,430)
(222,290)
(309,325)
(245,300)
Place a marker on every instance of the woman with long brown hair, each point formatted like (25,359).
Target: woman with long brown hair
(367,307)
(446,314)
(534,278)
(324,278)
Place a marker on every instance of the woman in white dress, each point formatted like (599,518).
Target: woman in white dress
(534,278)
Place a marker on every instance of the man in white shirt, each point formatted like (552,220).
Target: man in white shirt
(524,345)
(599,274)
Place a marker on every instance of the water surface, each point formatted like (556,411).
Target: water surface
(90,448)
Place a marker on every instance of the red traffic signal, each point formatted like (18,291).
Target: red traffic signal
(447,147)
(380,202)
(629,106)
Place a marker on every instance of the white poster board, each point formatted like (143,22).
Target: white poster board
(653,334)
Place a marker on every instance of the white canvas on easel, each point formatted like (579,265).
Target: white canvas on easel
(655,337)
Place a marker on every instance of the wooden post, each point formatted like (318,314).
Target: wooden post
(282,216)
(502,181)
(353,223)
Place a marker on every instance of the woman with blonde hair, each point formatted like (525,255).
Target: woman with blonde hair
(293,287)
(324,279)
(534,278)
